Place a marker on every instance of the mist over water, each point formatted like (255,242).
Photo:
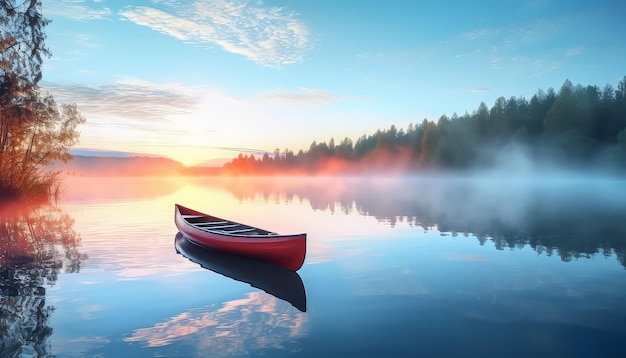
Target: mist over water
(520,202)
(423,264)
(571,213)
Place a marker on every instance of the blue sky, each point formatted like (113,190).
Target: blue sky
(195,80)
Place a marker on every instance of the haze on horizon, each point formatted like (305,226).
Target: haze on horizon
(208,79)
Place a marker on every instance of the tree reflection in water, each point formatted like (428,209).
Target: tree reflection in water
(571,216)
(36,244)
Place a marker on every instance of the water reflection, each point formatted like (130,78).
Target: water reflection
(79,189)
(382,288)
(236,327)
(567,215)
(278,282)
(36,244)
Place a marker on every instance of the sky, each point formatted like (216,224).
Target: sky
(208,79)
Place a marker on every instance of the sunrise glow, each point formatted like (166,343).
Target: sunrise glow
(155,78)
(279,178)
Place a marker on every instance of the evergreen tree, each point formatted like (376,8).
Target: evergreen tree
(580,125)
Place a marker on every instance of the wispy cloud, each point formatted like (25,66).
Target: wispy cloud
(185,121)
(136,115)
(76,9)
(527,49)
(479,90)
(468,54)
(535,33)
(139,99)
(177,27)
(509,38)
(85,41)
(145,116)
(574,51)
(269,36)
(309,95)
(243,150)
(129,98)
(479,33)
(304,95)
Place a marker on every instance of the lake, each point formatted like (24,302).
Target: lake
(395,267)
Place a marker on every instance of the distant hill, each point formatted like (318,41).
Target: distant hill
(120,166)
(88,152)
(95,165)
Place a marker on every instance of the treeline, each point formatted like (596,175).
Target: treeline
(578,126)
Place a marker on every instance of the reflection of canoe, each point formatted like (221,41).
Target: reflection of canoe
(287,251)
(277,281)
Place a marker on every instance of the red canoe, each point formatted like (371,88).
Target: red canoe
(287,251)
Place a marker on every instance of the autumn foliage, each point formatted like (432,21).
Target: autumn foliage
(34,130)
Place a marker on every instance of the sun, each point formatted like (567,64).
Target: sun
(186,164)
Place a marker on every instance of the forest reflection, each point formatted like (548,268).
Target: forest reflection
(37,243)
(570,216)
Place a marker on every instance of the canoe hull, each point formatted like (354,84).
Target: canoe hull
(286,251)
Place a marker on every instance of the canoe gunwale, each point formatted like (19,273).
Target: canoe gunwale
(288,251)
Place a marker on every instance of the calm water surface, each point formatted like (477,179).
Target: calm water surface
(395,267)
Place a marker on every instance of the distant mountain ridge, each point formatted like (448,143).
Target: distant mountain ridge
(91,162)
(88,152)
(120,166)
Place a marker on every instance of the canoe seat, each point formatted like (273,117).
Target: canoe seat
(238,231)
(211,227)
(213,223)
